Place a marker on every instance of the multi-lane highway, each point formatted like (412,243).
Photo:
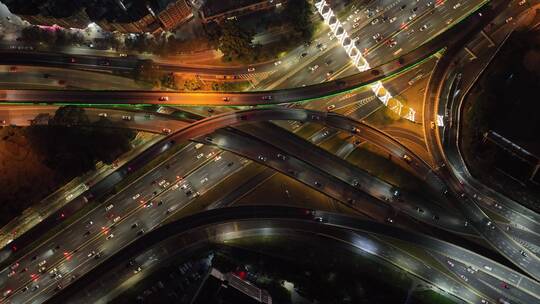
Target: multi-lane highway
(473,200)
(222,225)
(194,170)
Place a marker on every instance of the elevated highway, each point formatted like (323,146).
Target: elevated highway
(225,224)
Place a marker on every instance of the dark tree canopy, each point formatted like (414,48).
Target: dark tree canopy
(72,150)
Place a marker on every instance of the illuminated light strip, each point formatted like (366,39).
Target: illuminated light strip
(356,57)
(440,120)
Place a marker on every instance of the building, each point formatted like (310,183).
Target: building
(217,11)
(124,16)
(218,287)
(174,14)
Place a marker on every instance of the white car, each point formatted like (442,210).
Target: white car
(116,219)
(375,21)
(314,68)
(102,114)
(330,107)
(356,25)
(204,180)
(251,69)
(411,17)
(277,63)
(392,20)
(110,236)
(136,196)
(109,207)
(457,5)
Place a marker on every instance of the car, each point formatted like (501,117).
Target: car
(7,292)
(116,219)
(14,266)
(277,63)
(252,69)
(330,107)
(11,273)
(102,114)
(357,19)
(392,20)
(42,269)
(87,233)
(420,210)
(225,99)
(199,156)
(356,25)
(42,263)
(140,232)
(136,196)
(392,43)
(319,219)
(375,21)
(457,5)
(403,7)
(134,225)
(411,17)
(303,55)
(522,2)
(148,205)
(523,253)
(109,207)
(508,19)
(430,3)
(25,288)
(314,68)
(110,236)
(464,278)
(267,97)
(488,268)
(316,183)
(423,28)
(376,37)
(329,73)
(407,158)
(163,98)
(390,220)
(262,158)
(505,285)
(126,117)
(166,131)
(328,62)
(204,180)
(36,287)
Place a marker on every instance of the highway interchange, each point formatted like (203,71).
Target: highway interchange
(195,169)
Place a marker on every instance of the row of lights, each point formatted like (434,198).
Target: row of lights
(360,61)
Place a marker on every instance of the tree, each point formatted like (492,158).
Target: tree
(235,43)
(72,150)
(300,14)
